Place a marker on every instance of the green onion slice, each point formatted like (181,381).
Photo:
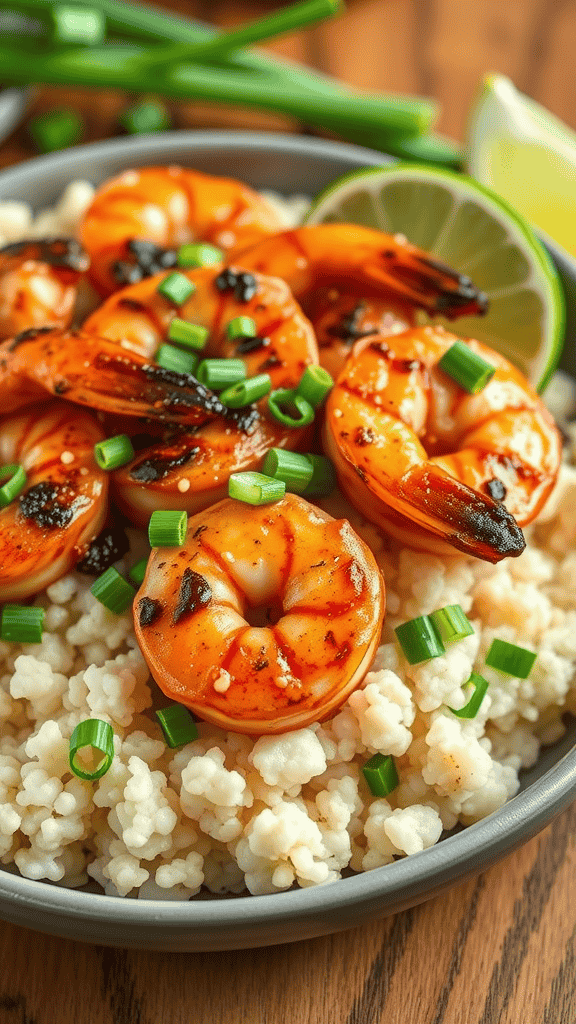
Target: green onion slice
(470,710)
(96,734)
(22,624)
(114,452)
(147,116)
(199,254)
(294,469)
(314,385)
(245,392)
(451,623)
(56,129)
(467,368)
(77,26)
(380,774)
(177,725)
(167,529)
(419,640)
(172,358)
(113,591)
(508,658)
(285,397)
(176,288)
(323,479)
(138,572)
(219,374)
(15,482)
(255,488)
(187,335)
(242,327)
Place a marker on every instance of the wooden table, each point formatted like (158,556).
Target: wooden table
(499,949)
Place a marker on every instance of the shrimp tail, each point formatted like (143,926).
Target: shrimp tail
(100,374)
(431,284)
(471,522)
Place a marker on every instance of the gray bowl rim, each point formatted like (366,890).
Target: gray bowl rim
(454,858)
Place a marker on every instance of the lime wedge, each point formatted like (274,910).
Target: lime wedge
(527,156)
(473,230)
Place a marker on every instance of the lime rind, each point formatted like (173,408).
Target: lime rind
(468,226)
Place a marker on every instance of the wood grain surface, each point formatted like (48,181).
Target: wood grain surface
(499,949)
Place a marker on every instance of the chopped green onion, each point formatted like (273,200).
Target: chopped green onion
(176,288)
(314,385)
(467,368)
(114,452)
(199,254)
(15,482)
(246,391)
(451,623)
(172,358)
(77,26)
(96,734)
(508,658)
(219,374)
(283,396)
(138,572)
(147,116)
(113,591)
(56,129)
(419,640)
(22,624)
(255,488)
(177,725)
(323,479)
(294,469)
(380,774)
(188,335)
(167,529)
(470,710)
(242,327)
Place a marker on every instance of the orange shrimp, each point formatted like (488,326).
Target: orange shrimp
(98,373)
(438,468)
(47,529)
(340,320)
(167,206)
(190,469)
(266,619)
(353,263)
(38,283)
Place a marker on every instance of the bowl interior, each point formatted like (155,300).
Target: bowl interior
(288,165)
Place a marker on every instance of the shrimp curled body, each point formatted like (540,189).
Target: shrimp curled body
(240,626)
(167,206)
(190,469)
(438,468)
(339,264)
(46,530)
(38,283)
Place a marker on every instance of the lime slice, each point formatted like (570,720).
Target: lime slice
(527,156)
(473,230)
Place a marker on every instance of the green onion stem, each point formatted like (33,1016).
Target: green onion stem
(123,66)
(279,22)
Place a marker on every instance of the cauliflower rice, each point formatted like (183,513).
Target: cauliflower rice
(228,812)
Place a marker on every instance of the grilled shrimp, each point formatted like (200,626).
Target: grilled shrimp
(240,626)
(38,283)
(167,206)
(359,263)
(436,467)
(46,530)
(190,469)
(340,320)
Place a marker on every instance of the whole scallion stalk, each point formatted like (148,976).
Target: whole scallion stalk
(123,66)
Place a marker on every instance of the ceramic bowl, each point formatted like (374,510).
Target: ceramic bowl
(287,164)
